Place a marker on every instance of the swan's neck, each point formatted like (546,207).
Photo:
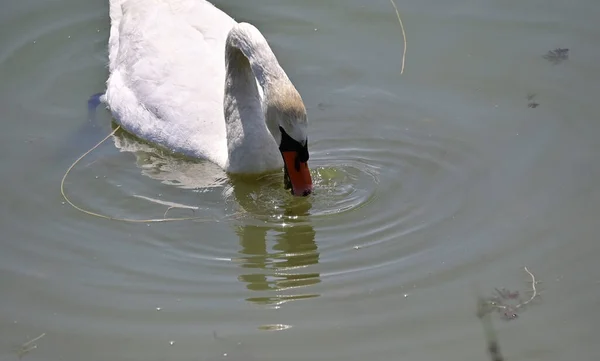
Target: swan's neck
(251,144)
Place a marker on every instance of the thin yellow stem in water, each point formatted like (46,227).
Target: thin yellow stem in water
(154,220)
(32,341)
(403,35)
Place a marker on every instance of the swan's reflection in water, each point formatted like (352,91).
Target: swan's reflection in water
(276,255)
(280,269)
(277,241)
(169,169)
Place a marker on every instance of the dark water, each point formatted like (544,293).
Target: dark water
(432,187)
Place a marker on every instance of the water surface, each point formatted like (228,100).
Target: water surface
(431,188)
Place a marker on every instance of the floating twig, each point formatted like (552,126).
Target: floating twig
(403,35)
(171,205)
(32,341)
(535,292)
(509,311)
(28,346)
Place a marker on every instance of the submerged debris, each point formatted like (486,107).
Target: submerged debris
(531,103)
(557,55)
(508,303)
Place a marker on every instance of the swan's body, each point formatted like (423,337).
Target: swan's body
(185,76)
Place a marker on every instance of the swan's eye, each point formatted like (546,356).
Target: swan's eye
(289,144)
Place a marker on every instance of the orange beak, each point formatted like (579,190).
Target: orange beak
(297,175)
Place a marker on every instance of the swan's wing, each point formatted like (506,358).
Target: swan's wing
(115,14)
(167,75)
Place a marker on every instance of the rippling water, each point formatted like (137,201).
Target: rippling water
(431,188)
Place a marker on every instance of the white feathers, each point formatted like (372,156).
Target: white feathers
(167,82)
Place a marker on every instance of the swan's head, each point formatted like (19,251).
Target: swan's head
(286,118)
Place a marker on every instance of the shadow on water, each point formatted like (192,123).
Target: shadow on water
(275,256)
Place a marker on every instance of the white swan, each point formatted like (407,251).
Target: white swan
(187,77)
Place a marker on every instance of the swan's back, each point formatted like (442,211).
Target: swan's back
(167,73)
